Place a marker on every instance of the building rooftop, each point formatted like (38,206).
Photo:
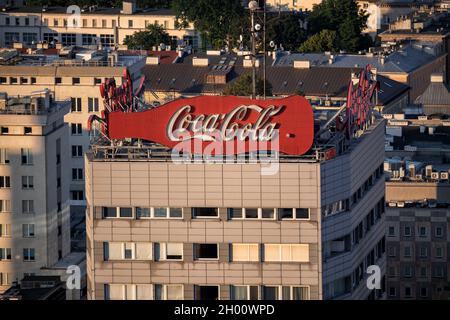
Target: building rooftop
(406,59)
(38,103)
(324,81)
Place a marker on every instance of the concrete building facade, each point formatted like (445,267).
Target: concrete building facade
(34,185)
(157,229)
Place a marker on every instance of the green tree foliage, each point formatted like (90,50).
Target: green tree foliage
(325,40)
(220,22)
(344,17)
(242,86)
(153,35)
(286,30)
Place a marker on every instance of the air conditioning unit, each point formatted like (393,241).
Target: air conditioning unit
(435,175)
(444,175)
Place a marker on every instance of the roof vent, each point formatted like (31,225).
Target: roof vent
(437,78)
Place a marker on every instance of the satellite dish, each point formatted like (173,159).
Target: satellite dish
(162,46)
(272,44)
(257,27)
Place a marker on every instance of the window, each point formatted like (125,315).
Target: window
(407,271)
(107,40)
(391,231)
(142,212)
(50,37)
(392,251)
(93,104)
(423,252)
(5,182)
(27,130)
(293,213)
(407,231)
(407,252)
(392,291)
(97,81)
(26,156)
(169,292)
(206,251)
(251,213)
(128,292)
(69,39)
(286,252)
(88,39)
(84,23)
(5,206)
(423,272)
(270,293)
(27,206)
(76,129)
(422,231)
(27,182)
(13,80)
(163,212)
(294,293)
(77,151)
(117,212)
(207,293)
(76,104)
(130,23)
(58,80)
(205,212)
(5,278)
(438,272)
(76,195)
(244,292)
(392,272)
(5,230)
(28,230)
(7,21)
(168,251)
(408,292)
(28,254)
(75,80)
(29,38)
(423,292)
(4,158)
(439,252)
(439,232)
(103,23)
(11,37)
(77,174)
(94,23)
(5,254)
(244,252)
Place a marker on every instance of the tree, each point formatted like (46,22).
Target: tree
(153,35)
(325,40)
(243,86)
(344,17)
(286,29)
(220,22)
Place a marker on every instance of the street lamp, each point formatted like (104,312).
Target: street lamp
(253,6)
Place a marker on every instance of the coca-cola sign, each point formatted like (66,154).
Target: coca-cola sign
(225,125)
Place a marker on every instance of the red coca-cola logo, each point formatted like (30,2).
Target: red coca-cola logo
(226,125)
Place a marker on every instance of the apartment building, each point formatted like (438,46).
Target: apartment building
(161,229)
(34,185)
(74,74)
(86,26)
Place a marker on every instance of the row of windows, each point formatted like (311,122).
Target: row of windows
(232,213)
(211,292)
(437,271)
(408,292)
(422,231)
(28,254)
(27,182)
(27,230)
(238,252)
(26,155)
(347,204)
(423,252)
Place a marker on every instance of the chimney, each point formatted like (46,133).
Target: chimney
(152,60)
(382,60)
(330,59)
(437,78)
(128,7)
